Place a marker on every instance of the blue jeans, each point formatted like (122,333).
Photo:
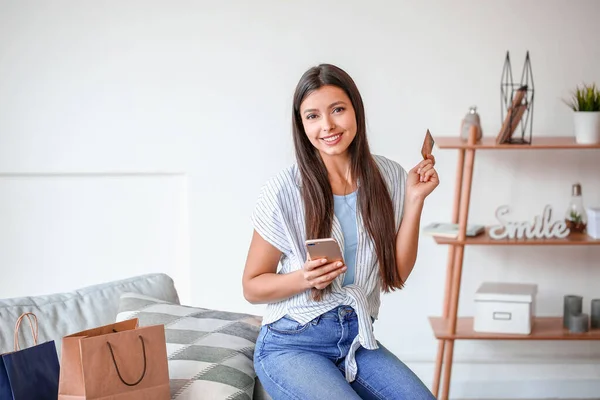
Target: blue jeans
(306,362)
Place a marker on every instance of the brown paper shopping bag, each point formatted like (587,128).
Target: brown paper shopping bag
(120,361)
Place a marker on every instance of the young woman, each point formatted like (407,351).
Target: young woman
(317,338)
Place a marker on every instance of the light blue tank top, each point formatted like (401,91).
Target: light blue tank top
(344,208)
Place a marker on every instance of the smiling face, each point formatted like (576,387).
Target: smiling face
(329,120)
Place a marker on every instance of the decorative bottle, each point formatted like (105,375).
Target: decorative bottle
(471,119)
(576,217)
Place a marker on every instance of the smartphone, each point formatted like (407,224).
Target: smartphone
(327,248)
(428,143)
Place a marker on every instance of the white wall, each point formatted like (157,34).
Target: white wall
(134,137)
(62,231)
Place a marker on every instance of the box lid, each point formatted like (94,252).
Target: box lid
(503,291)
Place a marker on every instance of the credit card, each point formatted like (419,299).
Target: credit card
(427,145)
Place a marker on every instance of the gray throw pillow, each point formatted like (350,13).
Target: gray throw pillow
(210,352)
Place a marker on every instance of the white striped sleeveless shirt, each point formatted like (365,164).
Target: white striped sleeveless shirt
(279,218)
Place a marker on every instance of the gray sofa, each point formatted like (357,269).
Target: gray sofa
(65,313)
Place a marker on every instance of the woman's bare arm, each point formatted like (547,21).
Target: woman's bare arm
(262,283)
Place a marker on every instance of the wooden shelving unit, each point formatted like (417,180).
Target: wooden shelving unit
(449,327)
(544,328)
(485,239)
(538,143)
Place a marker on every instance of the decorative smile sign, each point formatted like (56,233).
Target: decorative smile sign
(540,228)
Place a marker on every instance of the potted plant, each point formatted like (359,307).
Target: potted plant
(585,103)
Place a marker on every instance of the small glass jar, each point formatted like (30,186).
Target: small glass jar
(575,216)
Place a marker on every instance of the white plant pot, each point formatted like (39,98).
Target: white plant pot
(587,127)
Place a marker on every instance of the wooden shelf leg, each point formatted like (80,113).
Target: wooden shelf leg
(439,362)
(457,269)
(449,353)
(438,368)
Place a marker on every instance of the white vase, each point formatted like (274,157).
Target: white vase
(587,127)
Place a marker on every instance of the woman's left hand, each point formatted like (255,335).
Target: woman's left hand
(422,179)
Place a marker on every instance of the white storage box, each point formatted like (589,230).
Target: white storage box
(593,226)
(504,307)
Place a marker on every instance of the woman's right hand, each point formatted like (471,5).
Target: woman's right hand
(319,274)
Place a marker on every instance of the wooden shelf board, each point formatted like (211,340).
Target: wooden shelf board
(485,239)
(537,143)
(544,328)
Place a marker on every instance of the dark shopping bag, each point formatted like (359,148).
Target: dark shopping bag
(30,373)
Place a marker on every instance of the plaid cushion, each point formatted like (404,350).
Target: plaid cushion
(210,352)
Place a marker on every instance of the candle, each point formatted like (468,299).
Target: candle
(572,305)
(578,323)
(595,313)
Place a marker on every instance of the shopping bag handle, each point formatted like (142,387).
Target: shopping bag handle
(34,333)
(117,368)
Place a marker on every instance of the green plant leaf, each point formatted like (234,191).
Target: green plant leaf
(585,98)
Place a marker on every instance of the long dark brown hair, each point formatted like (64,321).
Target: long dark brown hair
(373,199)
